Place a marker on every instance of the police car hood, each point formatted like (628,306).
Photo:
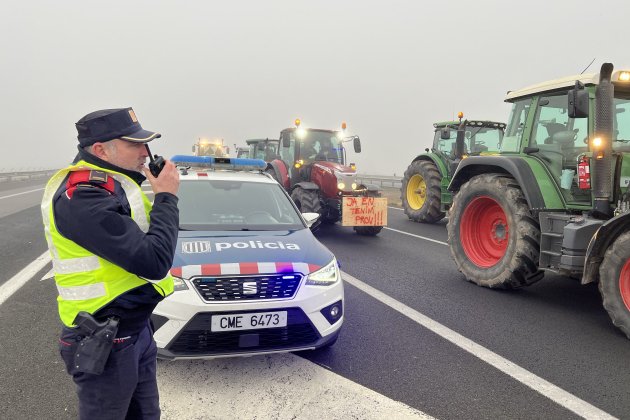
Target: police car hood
(248,252)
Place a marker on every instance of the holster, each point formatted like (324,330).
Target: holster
(93,350)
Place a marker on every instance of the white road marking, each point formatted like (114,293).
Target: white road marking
(27,273)
(395,208)
(279,386)
(22,193)
(416,236)
(538,384)
(48,276)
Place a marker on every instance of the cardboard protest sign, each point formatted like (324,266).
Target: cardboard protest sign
(364,211)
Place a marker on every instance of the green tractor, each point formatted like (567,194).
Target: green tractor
(556,197)
(424,191)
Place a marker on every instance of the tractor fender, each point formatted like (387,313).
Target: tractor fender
(603,238)
(305,185)
(514,166)
(281,172)
(436,160)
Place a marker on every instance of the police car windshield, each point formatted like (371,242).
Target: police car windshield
(221,205)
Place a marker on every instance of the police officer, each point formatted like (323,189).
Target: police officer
(112,251)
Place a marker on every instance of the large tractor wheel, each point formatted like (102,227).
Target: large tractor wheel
(306,200)
(369,230)
(493,237)
(614,282)
(421,192)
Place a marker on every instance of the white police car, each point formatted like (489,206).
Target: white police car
(250,277)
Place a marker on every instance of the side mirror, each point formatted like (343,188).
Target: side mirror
(310,218)
(445,133)
(357,144)
(286,141)
(578,101)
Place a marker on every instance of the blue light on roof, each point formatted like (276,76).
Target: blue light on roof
(235,164)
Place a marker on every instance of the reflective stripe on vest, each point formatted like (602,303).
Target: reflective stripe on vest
(84,280)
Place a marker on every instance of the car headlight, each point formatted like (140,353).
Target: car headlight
(325,276)
(179,284)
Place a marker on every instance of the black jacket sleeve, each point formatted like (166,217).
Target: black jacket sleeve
(101,223)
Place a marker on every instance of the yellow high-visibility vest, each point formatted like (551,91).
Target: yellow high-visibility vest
(85,281)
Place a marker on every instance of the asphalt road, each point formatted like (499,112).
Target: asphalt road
(556,330)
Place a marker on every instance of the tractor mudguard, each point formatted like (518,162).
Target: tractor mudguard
(603,238)
(307,185)
(436,160)
(517,167)
(281,173)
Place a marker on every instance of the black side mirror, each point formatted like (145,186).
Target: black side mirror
(445,133)
(357,144)
(578,101)
(286,141)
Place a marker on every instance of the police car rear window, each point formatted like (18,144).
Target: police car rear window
(235,205)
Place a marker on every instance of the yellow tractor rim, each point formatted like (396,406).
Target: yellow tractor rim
(416,192)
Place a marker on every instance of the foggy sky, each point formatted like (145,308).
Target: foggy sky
(247,69)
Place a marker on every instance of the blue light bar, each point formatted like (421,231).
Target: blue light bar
(235,164)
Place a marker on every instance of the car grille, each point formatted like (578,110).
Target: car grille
(218,289)
(197,339)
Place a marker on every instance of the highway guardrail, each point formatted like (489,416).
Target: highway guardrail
(380,180)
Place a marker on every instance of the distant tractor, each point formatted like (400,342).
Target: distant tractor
(241,151)
(424,191)
(312,167)
(556,198)
(206,147)
(265,149)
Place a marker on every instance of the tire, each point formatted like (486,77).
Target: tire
(492,235)
(368,230)
(614,282)
(306,200)
(421,192)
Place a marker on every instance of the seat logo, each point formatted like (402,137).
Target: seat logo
(250,288)
(196,247)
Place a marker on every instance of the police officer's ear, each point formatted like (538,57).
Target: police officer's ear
(104,150)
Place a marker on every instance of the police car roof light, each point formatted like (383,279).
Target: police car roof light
(235,164)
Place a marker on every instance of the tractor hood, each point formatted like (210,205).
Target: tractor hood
(334,167)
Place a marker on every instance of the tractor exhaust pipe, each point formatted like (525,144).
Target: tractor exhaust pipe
(602,156)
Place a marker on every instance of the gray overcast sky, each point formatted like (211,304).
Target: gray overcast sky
(245,69)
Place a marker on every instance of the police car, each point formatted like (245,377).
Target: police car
(250,277)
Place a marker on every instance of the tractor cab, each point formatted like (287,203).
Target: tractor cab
(560,130)
(265,149)
(301,148)
(479,137)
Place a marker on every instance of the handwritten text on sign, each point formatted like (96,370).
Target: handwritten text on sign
(364,211)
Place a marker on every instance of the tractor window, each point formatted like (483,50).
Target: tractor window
(560,140)
(621,132)
(287,153)
(516,124)
(483,139)
(446,146)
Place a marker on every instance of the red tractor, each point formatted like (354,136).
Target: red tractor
(312,168)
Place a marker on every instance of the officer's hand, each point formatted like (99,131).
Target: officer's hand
(167,180)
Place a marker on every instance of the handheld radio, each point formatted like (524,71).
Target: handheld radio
(156,162)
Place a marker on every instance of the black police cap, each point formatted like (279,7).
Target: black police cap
(109,124)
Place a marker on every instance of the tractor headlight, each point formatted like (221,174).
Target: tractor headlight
(300,133)
(325,276)
(341,186)
(179,284)
(624,76)
(354,185)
